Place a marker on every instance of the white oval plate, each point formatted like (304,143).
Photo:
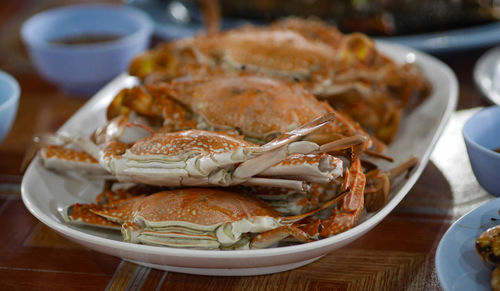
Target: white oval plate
(45,193)
(457,264)
(487,75)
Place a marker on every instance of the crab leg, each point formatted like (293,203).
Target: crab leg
(257,165)
(378,184)
(273,236)
(297,133)
(349,213)
(318,168)
(252,167)
(85,214)
(81,214)
(60,158)
(343,143)
(373,194)
(293,202)
(296,185)
(270,237)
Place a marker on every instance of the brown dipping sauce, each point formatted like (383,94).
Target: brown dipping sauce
(86,39)
(497,150)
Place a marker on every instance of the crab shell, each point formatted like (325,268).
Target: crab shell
(259,108)
(63,159)
(249,46)
(205,218)
(195,157)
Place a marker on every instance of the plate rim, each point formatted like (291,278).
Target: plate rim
(346,237)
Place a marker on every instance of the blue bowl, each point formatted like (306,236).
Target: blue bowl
(9,101)
(81,69)
(482,136)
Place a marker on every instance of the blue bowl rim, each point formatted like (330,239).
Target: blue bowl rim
(471,141)
(144,20)
(16,90)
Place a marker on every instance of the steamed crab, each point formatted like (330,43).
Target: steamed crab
(347,70)
(256,107)
(203,218)
(198,157)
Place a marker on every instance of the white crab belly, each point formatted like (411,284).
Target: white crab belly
(324,170)
(232,235)
(156,170)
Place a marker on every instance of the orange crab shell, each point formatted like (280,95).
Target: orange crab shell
(186,142)
(59,152)
(202,54)
(200,206)
(301,55)
(258,107)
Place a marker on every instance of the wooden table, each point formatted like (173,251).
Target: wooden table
(397,254)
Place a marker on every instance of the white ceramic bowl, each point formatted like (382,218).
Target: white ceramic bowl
(482,136)
(82,69)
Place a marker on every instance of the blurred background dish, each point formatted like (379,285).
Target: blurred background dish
(487,75)
(430,25)
(376,18)
(483,146)
(82,47)
(457,264)
(9,101)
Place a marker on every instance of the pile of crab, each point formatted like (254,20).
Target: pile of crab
(232,141)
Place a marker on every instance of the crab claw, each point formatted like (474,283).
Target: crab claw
(378,184)
(271,237)
(377,190)
(348,213)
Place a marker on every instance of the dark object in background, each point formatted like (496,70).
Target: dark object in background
(377,17)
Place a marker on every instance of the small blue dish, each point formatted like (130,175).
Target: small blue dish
(82,69)
(9,102)
(482,136)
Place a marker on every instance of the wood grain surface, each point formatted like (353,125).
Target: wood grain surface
(398,254)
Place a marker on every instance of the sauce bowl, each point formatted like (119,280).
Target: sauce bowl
(482,136)
(82,69)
